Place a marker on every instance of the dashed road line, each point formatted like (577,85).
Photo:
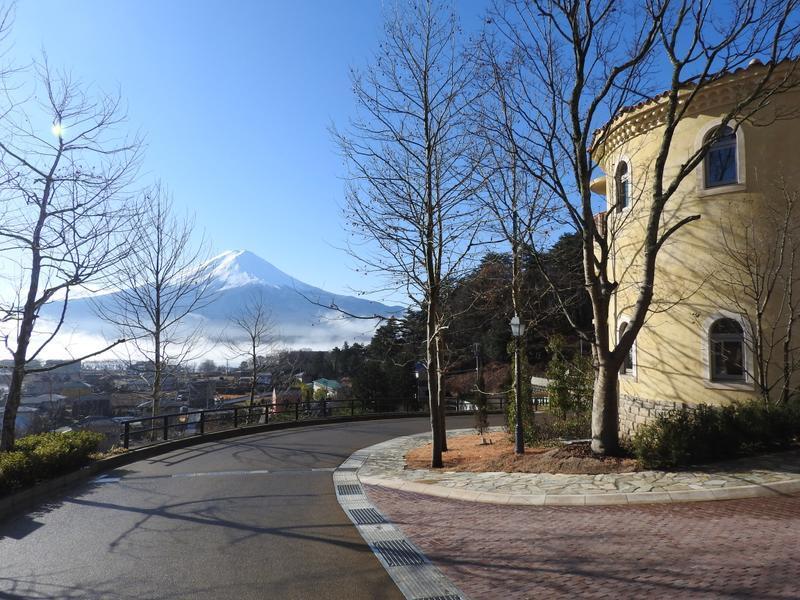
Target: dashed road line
(231,473)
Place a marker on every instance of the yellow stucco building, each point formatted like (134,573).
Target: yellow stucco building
(697,346)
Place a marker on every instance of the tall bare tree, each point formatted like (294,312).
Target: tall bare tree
(580,63)
(413,175)
(519,205)
(66,171)
(252,335)
(162,280)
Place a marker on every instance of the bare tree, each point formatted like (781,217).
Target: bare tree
(760,265)
(520,206)
(253,336)
(581,62)
(162,280)
(413,176)
(65,208)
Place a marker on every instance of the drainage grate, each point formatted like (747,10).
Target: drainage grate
(345,469)
(451,597)
(366,516)
(348,489)
(398,553)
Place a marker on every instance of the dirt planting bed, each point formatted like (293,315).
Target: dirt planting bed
(468,453)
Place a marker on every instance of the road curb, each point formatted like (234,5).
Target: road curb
(31,497)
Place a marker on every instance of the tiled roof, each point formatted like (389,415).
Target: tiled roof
(688,84)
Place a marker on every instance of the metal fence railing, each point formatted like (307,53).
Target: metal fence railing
(143,431)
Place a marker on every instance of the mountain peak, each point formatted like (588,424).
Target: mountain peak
(237,268)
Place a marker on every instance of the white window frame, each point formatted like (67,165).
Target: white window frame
(741,181)
(618,182)
(611,199)
(747,355)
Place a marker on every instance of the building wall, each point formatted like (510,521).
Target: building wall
(693,280)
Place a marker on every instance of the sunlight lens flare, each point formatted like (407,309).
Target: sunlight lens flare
(58,129)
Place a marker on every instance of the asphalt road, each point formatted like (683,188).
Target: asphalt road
(250,517)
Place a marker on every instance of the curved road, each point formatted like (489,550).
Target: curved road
(249,517)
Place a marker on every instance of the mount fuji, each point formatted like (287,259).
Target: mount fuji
(301,312)
(303,315)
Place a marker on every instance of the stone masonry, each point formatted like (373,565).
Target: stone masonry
(635,412)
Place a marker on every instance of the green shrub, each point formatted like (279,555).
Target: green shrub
(15,471)
(46,455)
(571,382)
(569,391)
(683,436)
(545,432)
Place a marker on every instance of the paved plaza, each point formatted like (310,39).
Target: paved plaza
(724,549)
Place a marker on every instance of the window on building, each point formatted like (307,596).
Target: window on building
(627,365)
(622,184)
(726,343)
(720,162)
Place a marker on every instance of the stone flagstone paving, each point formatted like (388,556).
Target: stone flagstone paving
(385,466)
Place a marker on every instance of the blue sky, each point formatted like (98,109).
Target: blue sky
(235,100)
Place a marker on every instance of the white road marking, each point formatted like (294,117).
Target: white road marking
(106,479)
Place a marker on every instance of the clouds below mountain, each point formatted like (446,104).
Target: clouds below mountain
(300,312)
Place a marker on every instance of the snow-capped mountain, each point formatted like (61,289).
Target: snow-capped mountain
(300,312)
(236,268)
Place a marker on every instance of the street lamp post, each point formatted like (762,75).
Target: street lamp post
(518,330)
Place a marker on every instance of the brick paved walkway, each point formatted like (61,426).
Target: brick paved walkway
(725,549)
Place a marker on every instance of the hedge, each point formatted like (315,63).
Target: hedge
(683,437)
(46,455)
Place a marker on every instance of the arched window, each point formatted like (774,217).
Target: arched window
(726,344)
(720,163)
(627,365)
(622,184)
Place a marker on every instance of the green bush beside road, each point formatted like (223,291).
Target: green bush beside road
(46,455)
(684,436)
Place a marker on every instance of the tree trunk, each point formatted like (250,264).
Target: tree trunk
(12,406)
(605,411)
(255,373)
(441,400)
(433,390)
(23,341)
(156,393)
(519,429)
(25,330)
(788,360)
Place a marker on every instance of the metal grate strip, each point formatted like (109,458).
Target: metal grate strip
(399,553)
(451,597)
(367,516)
(347,469)
(348,489)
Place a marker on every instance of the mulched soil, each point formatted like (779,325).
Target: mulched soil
(467,453)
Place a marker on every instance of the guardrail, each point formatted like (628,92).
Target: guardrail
(143,431)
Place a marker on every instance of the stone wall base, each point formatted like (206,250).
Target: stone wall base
(635,412)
